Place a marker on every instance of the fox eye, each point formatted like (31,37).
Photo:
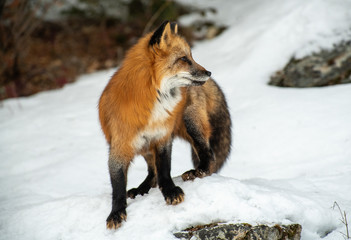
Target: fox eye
(185,59)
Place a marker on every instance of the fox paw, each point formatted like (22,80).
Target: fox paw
(132,193)
(173,196)
(115,219)
(194,173)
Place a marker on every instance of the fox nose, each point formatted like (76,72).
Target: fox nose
(208,73)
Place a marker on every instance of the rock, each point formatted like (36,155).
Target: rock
(242,231)
(328,67)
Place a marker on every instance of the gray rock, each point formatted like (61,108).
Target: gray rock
(328,67)
(244,231)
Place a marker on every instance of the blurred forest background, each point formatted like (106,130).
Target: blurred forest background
(45,44)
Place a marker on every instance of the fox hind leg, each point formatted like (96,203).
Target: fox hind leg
(202,154)
(195,158)
(150,180)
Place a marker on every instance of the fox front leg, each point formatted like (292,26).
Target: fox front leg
(172,193)
(118,176)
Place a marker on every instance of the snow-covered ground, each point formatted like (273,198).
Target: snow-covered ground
(291,156)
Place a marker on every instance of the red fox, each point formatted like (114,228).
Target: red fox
(160,93)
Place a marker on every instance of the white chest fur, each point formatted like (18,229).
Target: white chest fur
(168,97)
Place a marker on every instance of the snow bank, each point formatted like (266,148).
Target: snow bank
(290,158)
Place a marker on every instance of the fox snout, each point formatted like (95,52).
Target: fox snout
(200,76)
(201,73)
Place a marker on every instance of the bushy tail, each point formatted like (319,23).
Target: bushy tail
(221,138)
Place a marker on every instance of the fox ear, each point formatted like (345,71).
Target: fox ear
(174,27)
(162,35)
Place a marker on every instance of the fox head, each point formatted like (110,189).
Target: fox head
(173,62)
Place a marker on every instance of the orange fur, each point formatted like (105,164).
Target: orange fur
(126,105)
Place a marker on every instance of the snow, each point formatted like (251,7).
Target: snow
(290,159)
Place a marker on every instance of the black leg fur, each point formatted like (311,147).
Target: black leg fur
(150,180)
(195,158)
(118,173)
(172,194)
